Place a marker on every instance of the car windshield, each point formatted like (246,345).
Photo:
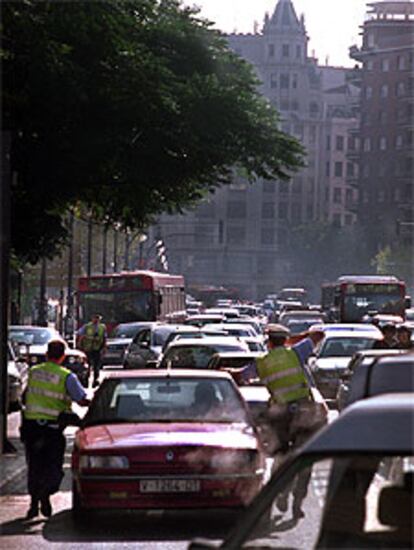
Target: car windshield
(344,347)
(174,399)
(117,307)
(346,502)
(296,327)
(125,331)
(161,335)
(32,336)
(193,356)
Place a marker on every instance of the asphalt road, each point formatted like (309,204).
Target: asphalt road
(130,529)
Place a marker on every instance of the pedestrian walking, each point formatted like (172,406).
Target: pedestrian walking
(293,414)
(50,391)
(92,340)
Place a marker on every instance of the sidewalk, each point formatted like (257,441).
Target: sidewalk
(13,465)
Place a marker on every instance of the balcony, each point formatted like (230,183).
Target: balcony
(353,154)
(353,181)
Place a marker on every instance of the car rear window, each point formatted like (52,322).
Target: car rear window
(166,400)
(345,347)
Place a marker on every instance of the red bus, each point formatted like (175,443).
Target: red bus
(130,296)
(351,298)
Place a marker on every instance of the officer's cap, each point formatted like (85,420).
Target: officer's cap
(278,331)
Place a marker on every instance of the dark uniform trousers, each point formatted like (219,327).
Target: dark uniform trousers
(45,451)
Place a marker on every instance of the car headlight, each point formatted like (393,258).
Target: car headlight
(34,359)
(103,462)
(71,360)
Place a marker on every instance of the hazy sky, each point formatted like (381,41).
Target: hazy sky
(332,25)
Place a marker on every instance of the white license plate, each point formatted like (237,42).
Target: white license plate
(169,486)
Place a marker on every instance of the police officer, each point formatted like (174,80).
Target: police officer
(404,338)
(93,341)
(50,391)
(283,371)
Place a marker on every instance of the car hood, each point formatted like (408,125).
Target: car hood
(332,363)
(131,435)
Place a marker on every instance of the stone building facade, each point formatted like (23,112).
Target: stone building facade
(239,237)
(386,178)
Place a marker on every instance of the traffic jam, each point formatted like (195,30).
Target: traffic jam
(187,412)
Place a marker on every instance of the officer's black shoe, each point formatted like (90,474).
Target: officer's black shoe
(33,511)
(46,507)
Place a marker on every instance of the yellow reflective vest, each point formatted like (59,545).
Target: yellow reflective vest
(281,372)
(46,395)
(94,337)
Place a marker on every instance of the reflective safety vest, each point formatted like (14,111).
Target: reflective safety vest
(94,337)
(281,372)
(46,395)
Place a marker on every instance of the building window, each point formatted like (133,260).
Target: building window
(328,169)
(385,65)
(367,144)
(285,50)
(336,219)
(271,50)
(298,52)
(383,117)
(269,186)
(236,209)
(351,143)
(348,195)
(294,105)
(400,89)
(328,143)
(207,210)
(267,236)
(273,81)
(312,134)
(369,65)
(368,92)
(340,143)
(339,168)
(401,63)
(236,235)
(294,81)
(371,40)
(383,143)
(313,109)
(284,81)
(350,169)
(283,211)
(268,211)
(399,141)
(327,194)
(296,212)
(284,105)
(348,219)
(384,91)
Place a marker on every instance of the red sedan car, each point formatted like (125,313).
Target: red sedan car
(166,440)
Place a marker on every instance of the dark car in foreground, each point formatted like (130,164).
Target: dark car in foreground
(166,440)
(119,340)
(360,473)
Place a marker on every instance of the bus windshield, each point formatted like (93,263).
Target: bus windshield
(360,300)
(117,307)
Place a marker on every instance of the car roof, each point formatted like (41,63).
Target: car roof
(339,327)
(370,425)
(31,327)
(167,373)
(206,341)
(379,352)
(353,334)
(238,354)
(227,326)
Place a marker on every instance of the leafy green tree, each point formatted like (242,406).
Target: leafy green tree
(129,108)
